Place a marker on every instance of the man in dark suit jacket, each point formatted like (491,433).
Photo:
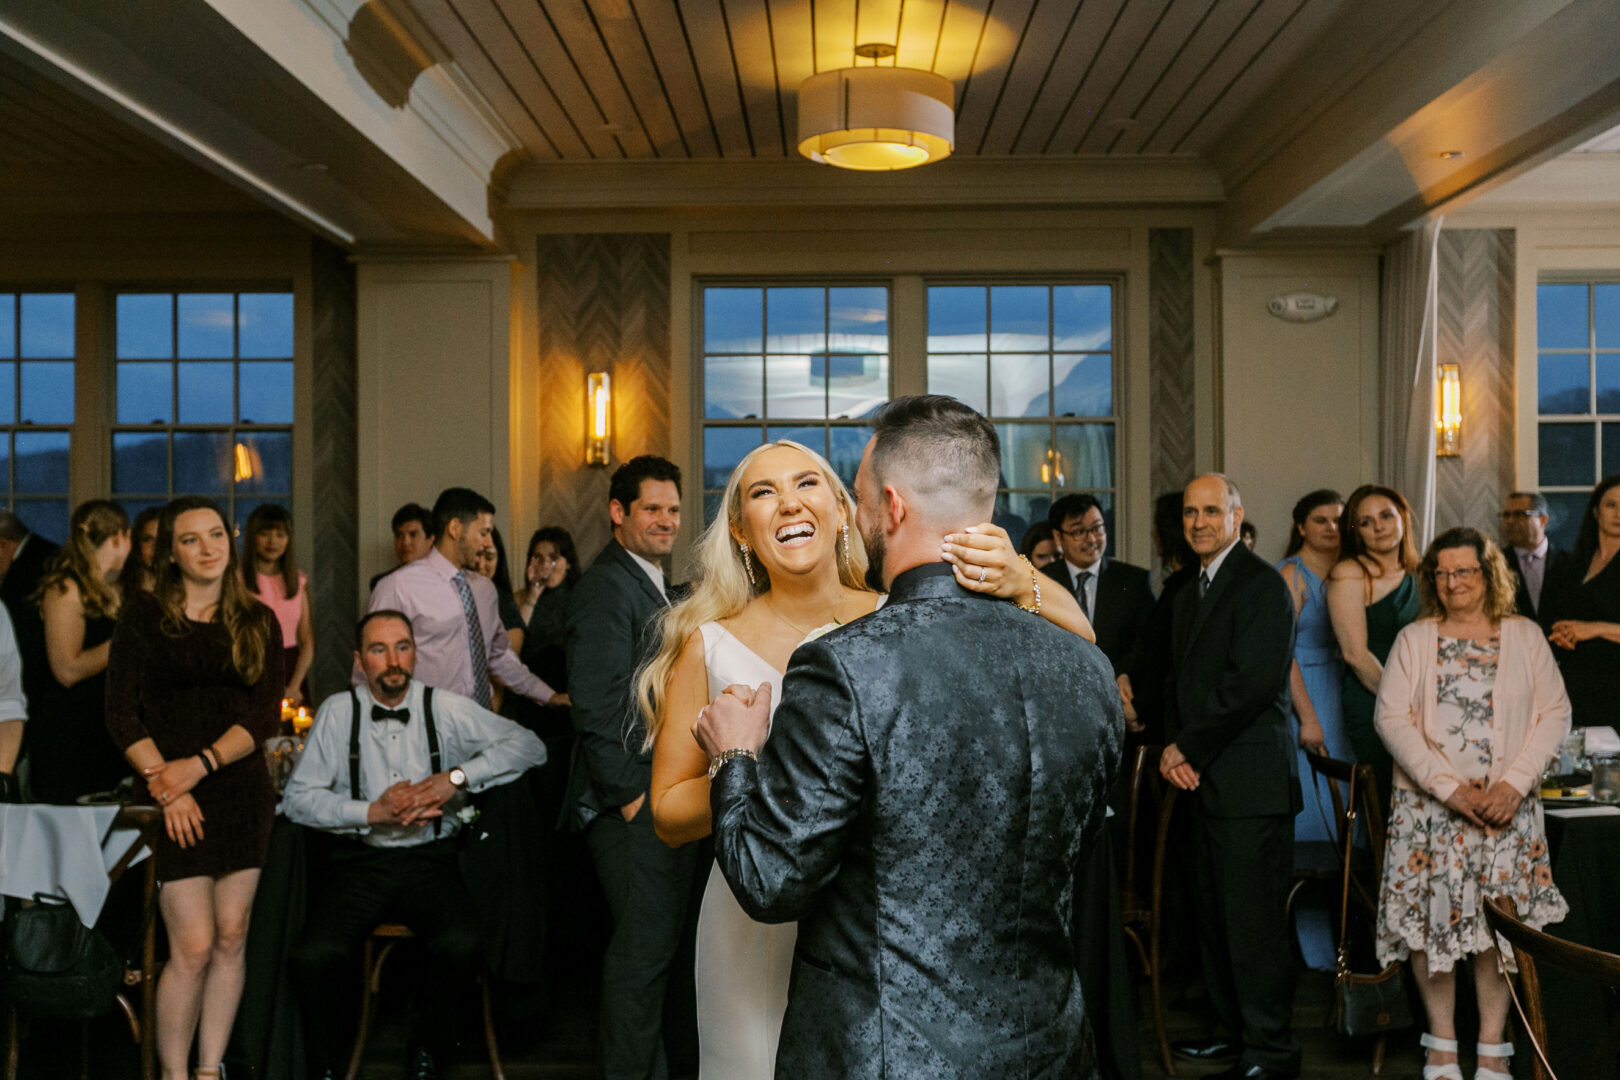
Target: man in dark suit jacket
(612,623)
(23,558)
(1529,552)
(924,830)
(1117,597)
(1232,751)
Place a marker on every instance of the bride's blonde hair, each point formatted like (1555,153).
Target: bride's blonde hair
(723,586)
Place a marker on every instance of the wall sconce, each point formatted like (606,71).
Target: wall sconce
(1448,411)
(598,417)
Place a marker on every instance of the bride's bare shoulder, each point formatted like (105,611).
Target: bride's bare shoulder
(858,602)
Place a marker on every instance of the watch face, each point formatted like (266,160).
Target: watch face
(458,777)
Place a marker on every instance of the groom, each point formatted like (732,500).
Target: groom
(935,772)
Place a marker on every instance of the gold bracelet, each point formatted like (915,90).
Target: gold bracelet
(727,755)
(1035,583)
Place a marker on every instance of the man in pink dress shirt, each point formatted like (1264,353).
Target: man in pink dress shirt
(460,643)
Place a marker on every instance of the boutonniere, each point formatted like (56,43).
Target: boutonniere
(820,631)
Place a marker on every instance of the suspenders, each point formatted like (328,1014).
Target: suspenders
(354,742)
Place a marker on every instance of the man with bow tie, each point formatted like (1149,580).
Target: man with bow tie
(384,769)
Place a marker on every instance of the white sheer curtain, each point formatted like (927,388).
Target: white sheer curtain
(1408,318)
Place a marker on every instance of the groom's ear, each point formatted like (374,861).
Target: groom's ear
(894,506)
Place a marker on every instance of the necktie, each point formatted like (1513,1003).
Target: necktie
(475,641)
(1203,583)
(380,713)
(1080,593)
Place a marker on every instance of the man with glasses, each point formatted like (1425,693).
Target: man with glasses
(1116,596)
(1530,554)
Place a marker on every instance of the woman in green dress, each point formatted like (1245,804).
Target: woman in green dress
(1371,595)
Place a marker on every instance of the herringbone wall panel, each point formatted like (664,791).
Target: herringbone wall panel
(603,306)
(1170,357)
(333,565)
(1475,331)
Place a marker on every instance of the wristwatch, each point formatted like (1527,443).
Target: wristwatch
(727,755)
(458,777)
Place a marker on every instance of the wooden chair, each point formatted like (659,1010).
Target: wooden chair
(1142,907)
(1532,949)
(390,935)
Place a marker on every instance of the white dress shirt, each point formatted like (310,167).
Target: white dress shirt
(652,570)
(1533,568)
(1090,585)
(1214,566)
(491,750)
(13,703)
(426,592)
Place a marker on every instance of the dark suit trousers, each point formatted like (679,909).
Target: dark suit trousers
(1241,873)
(648,886)
(359,887)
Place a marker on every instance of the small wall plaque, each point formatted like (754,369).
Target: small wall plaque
(1302,306)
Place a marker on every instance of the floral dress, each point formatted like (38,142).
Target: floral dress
(1439,867)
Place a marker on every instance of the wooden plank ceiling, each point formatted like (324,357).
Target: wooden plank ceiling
(586,80)
(43,124)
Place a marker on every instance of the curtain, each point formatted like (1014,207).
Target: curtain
(1408,324)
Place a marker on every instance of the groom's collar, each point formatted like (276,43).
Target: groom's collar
(930,581)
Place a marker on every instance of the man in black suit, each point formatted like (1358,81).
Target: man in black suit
(923,829)
(1116,596)
(23,558)
(1232,751)
(611,628)
(1529,552)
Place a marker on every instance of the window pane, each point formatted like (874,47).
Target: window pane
(1611,450)
(205,393)
(266,392)
(42,462)
(961,377)
(206,322)
(1561,321)
(1608,382)
(731,320)
(47,393)
(8,393)
(1083,317)
(1084,385)
(1020,385)
(723,448)
(47,517)
(1019,318)
(1606,315)
(956,318)
(263,463)
(145,393)
(858,319)
(813,437)
(857,386)
(140,462)
(46,326)
(796,387)
(1017,511)
(244,507)
(795,320)
(1563,384)
(203,462)
(5,457)
(1085,455)
(265,325)
(145,328)
(1024,461)
(844,448)
(733,387)
(133,507)
(1564,516)
(1568,455)
(8,325)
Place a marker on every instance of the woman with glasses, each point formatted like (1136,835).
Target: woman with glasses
(1584,611)
(1472,708)
(1370,597)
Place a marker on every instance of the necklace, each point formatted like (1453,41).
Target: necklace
(802,630)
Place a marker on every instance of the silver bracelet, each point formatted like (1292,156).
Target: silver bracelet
(726,755)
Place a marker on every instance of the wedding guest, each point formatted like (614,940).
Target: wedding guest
(1116,596)
(455,611)
(23,558)
(1585,611)
(492,564)
(414,536)
(1472,708)
(550,570)
(1315,683)
(1529,551)
(1039,546)
(394,853)
(69,751)
(272,576)
(1371,594)
(13,711)
(139,572)
(1142,685)
(1249,534)
(194,685)
(1231,749)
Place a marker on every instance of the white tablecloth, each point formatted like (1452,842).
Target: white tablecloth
(62,851)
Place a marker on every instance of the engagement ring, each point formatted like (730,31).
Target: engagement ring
(982,569)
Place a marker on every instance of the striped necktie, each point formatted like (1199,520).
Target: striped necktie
(475,641)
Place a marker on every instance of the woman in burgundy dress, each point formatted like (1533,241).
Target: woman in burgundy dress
(194,686)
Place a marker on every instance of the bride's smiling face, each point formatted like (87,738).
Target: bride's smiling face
(790,513)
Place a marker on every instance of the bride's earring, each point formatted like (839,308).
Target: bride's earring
(748,563)
(845,528)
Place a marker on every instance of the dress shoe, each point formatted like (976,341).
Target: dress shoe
(1213,1049)
(1253,1072)
(421,1066)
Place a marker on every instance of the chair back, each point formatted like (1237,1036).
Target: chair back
(1366,806)
(1142,772)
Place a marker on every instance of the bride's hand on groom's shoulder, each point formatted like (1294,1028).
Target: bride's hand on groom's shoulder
(739,719)
(985,561)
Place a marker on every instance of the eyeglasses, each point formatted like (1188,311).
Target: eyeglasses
(1076,534)
(1463,576)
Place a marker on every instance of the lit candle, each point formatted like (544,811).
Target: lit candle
(302,721)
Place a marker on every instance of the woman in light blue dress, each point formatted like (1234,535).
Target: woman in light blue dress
(1315,684)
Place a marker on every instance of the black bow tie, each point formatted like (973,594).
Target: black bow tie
(380,713)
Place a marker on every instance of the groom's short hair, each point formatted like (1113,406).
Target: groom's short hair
(944,455)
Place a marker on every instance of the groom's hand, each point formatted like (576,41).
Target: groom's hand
(738,719)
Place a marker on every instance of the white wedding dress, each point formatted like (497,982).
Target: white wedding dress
(742,965)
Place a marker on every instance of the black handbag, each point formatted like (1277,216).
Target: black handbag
(57,967)
(1363,1004)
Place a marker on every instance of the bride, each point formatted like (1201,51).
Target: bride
(777,567)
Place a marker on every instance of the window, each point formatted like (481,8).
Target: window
(204,402)
(1038,361)
(804,362)
(1577,396)
(37,345)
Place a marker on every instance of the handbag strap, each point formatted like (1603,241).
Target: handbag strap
(1341,955)
(1524,1021)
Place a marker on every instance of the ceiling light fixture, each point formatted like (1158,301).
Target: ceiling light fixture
(877,119)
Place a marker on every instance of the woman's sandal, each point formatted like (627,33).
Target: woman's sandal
(1495,1050)
(1450,1070)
